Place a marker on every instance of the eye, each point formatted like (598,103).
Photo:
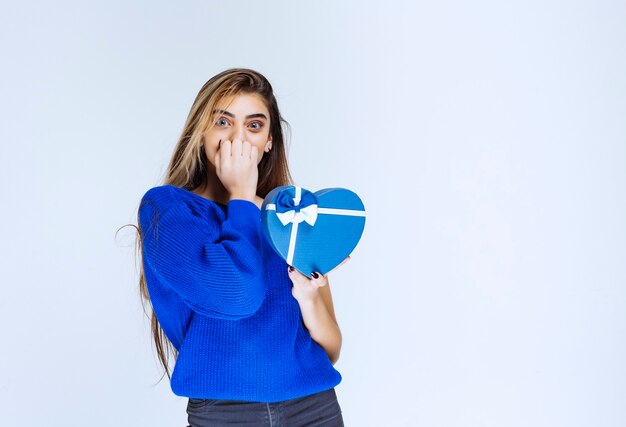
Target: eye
(221,119)
(257,123)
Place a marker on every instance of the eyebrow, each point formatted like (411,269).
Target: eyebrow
(250,116)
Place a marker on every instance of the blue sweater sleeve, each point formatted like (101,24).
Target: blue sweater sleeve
(216,268)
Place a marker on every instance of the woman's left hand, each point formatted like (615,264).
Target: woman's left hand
(305,288)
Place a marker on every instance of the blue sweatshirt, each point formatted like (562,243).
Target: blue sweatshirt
(223,298)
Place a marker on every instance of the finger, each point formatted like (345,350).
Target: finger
(245,149)
(320,281)
(237,147)
(294,272)
(226,148)
(254,154)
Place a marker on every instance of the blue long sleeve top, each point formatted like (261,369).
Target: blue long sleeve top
(223,298)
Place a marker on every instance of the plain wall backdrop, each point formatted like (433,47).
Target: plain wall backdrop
(486,139)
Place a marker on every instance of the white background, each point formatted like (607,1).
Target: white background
(487,140)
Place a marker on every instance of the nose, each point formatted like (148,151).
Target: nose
(238,132)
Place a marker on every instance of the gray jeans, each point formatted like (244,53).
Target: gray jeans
(318,409)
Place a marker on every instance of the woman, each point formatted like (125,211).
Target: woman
(254,340)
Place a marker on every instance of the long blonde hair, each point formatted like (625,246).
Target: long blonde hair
(188,165)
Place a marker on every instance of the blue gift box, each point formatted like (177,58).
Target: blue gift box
(312,231)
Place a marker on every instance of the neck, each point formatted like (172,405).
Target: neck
(213,188)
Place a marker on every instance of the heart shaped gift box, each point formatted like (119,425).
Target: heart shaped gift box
(312,231)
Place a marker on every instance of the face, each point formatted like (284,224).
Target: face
(246,118)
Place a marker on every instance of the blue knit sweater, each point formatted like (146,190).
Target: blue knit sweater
(223,298)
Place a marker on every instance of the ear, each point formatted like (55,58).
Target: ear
(268,145)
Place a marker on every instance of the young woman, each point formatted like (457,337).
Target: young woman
(254,340)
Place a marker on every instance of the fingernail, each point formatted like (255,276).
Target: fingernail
(314,274)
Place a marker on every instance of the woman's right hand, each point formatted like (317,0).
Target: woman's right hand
(236,166)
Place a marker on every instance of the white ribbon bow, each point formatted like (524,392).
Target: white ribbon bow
(308,214)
